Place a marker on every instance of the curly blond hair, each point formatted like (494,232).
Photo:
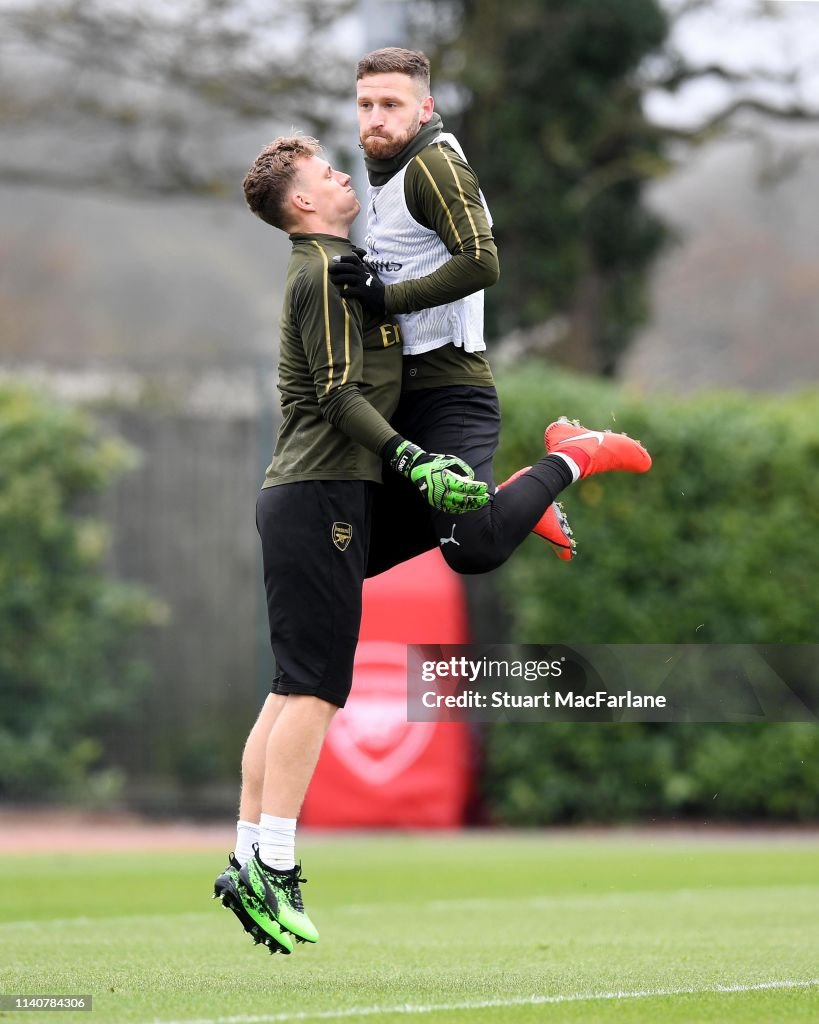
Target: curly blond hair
(268,182)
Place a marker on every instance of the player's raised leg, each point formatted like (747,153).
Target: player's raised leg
(553,526)
(594,451)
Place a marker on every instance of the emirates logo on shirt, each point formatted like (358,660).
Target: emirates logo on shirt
(383,266)
(342,534)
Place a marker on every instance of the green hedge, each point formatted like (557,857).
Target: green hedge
(65,660)
(719,543)
(538,774)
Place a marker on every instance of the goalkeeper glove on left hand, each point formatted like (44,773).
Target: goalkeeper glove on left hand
(444,480)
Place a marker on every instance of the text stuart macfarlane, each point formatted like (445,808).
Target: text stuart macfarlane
(547,699)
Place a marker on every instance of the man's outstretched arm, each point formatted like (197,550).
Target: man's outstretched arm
(331,331)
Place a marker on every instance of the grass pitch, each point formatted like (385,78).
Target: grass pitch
(479,928)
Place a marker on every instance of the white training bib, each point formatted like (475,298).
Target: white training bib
(401,249)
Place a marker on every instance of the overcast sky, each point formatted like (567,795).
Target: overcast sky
(733,34)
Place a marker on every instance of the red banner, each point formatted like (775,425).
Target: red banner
(377,769)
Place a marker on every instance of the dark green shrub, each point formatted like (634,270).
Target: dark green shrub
(719,543)
(538,774)
(65,663)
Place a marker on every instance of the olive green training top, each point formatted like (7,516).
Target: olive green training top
(451,206)
(339,374)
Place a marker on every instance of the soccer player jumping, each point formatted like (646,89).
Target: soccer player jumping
(339,381)
(430,253)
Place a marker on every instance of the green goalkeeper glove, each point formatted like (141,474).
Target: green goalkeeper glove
(444,480)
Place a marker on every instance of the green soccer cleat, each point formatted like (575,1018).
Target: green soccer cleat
(229,890)
(278,897)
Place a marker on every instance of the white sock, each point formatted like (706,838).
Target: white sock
(247,833)
(573,466)
(277,842)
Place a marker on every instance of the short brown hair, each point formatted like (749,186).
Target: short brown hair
(393,59)
(268,182)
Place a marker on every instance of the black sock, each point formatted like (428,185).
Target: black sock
(553,472)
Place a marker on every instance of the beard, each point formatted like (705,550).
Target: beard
(383,147)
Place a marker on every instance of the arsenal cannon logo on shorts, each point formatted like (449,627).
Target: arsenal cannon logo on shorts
(342,535)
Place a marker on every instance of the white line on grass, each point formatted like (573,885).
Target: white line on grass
(488,1004)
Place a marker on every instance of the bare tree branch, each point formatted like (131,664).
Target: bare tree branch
(162,88)
(682,73)
(148,98)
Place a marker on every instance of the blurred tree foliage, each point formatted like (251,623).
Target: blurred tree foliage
(66,664)
(716,544)
(551,98)
(555,127)
(548,100)
(150,98)
(566,772)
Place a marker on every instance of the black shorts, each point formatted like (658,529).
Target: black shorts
(455,420)
(315,539)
